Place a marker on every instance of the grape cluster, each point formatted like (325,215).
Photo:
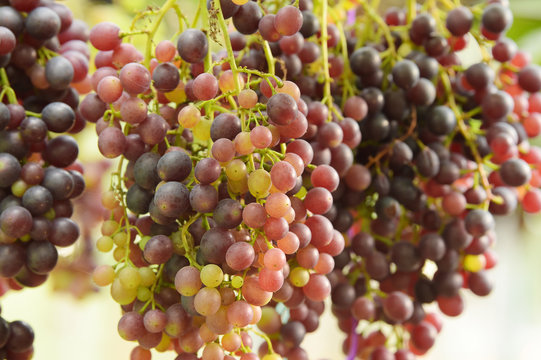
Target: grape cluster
(308,158)
(43,51)
(16,339)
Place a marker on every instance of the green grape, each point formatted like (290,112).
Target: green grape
(259,183)
(212,275)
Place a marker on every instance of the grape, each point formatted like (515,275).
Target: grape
(496,18)
(42,23)
(459,21)
(166,77)
(59,72)
(364,61)
(158,249)
(288,20)
(247,17)
(105,36)
(41,257)
(192,45)
(21,336)
(135,78)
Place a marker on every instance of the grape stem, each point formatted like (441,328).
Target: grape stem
(327,98)
(387,149)
(468,137)
(148,49)
(6,88)
(386,31)
(227,41)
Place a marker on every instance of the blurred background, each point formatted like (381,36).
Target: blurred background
(72,320)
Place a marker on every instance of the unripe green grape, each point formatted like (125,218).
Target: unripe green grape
(18,188)
(148,277)
(143,294)
(237,282)
(122,295)
(130,278)
(202,130)
(236,170)
(299,277)
(120,239)
(259,183)
(212,275)
(104,244)
(109,227)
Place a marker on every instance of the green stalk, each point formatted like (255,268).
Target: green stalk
(148,48)
(229,48)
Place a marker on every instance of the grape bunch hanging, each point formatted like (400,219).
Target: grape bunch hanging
(270,156)
(43,51)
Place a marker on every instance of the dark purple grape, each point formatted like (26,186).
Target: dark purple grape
(192,45)
(10,169)
(480,75)
(61,151)
(228,214)
(58,116)
(12,19)
(64,232)
(228,7)
(432,246)
(459,21)
(174,166)
(427,162)
(172,199)
(310,24)
(405,256)
(529,78)
(365,61)
(59,72)
(423,93)
(225,125)
(33,130)
(479,283)
(21,337)
(455,235)
(41,257)
(515,172)
(282,109)
(166,77)
(38,200)
(405,74)
(12,259)
(59,182)
(496,18)
(478,222)
(138,199)
(145,172)
(421,27)
(15,221)
(247,17)
(158,249)
(42,23)
(214,245)
(203,198)
(293,333)
(441,120)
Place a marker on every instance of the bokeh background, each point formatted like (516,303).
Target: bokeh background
(503,326)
